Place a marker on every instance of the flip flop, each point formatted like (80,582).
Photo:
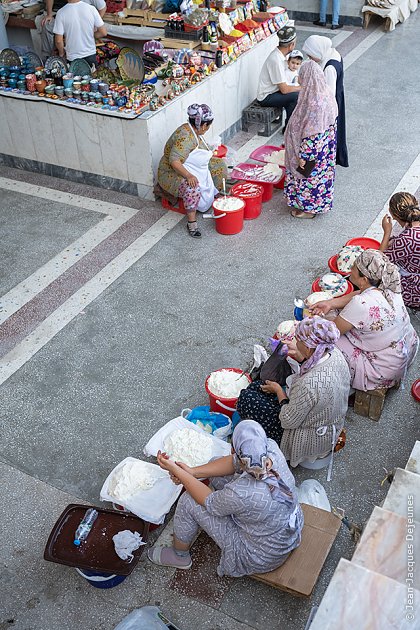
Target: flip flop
(155,555)
(302,215)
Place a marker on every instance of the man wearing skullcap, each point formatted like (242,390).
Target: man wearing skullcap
(273,90)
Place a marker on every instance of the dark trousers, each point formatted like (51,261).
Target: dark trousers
(288,101)
(91,59)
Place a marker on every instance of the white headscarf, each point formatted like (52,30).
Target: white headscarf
(319,47)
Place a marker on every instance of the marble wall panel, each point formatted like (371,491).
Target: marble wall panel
(20,130)
(111,141)
(42,131)
(6,142)
(405,485)
(88,145)
(61,119)
(137,151)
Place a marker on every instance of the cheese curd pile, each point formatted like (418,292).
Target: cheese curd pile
(189,447)
(131,478)
(227,384)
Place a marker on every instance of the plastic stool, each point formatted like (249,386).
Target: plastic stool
(168,206)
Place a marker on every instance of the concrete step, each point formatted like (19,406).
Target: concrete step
(413,464)
(386,545)
(403,497)
(360,599)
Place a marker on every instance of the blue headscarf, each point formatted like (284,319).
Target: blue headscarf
(251,447)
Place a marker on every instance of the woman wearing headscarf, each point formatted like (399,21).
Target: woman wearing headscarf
(310,141)
(320,49)
(404,250)
(310,416)
(377,339)
(188,170)
(253,514)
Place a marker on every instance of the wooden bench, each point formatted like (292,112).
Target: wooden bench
(299,574)
(255,113)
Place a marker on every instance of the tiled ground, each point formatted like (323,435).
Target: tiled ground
(132,358)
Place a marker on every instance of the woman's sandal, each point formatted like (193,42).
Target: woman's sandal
(166,557)
(193,231)
(301,215)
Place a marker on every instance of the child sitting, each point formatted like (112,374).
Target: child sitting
(294,61)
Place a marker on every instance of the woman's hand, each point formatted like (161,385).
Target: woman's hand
(191,180)
(293,352)
(271,387)
(387,225)
(302,163)
(167,464)
(322,308)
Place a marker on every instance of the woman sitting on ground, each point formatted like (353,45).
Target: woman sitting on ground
(310,142)
(188,170)
(310,417)
(377,339)
(253,514)
(404,250)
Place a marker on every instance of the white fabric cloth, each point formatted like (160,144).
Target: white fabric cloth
(398,13)
(272,74)
(77,22)
(197,163)
(126,542)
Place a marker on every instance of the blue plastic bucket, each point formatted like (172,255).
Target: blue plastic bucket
(101,580)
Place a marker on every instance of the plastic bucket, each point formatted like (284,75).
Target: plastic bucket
(218,403)
(280,184)
(101,580)
(268,190)
(318,464)
(251,195)
(229,222)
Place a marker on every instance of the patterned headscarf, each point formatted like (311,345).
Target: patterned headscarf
(318,333)
(201,114)
(375,266)
(319,47)
(251,447)
(315,112)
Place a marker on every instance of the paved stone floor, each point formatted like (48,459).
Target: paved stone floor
(111,318)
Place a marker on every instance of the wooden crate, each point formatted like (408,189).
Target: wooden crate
(140,17)
(299,574)
(370,404)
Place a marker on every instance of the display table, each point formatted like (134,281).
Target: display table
(115,151)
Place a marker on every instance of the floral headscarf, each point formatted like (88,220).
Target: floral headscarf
(251,447)
(318,333)
(375,266)
(201,114)
(315,112)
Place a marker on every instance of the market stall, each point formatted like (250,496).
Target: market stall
(58,120)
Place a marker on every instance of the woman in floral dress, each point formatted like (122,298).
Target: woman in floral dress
(377,338)
(311,136)
(404,250)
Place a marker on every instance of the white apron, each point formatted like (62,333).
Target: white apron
(197,163)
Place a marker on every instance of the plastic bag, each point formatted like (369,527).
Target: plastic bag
(210,421)
(231,157)
(146,618)
(313,493)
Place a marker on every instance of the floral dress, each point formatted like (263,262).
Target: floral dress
(404,251)
(314,194)
(382,343)
(181,143)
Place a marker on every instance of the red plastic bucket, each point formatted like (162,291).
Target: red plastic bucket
(251,195)
(316,287)
(229,221)
(220,404)
(280,185)
(268,190)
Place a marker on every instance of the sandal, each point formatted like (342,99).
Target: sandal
(193,229)
(301,215)
(166,557)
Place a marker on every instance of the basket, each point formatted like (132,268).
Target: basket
(193,36)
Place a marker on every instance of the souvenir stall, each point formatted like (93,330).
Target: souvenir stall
(108,125)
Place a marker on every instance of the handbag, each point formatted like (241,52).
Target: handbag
(307,169)
(276,368)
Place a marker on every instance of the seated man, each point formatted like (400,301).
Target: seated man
(45,22)
(273,90)
(79,23)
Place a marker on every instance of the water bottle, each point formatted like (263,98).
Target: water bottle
(298,312)
(85,526)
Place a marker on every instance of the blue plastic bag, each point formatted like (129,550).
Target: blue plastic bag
(211,421)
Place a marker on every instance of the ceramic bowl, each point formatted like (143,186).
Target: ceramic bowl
(334,283)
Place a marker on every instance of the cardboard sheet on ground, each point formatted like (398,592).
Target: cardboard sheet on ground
(153,504)
(155,444)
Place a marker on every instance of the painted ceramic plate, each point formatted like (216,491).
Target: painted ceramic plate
(104,74)
(56,63)
(80,67)
(131,65)
(9,57)
(33,59)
